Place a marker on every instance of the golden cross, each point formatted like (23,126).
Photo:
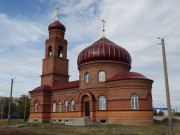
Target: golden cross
(57,11)
(103,24)
(103,27)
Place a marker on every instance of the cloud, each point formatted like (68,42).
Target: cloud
(135,25)
(19,31)
(20,52)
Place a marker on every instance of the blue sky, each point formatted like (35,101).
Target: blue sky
(31,9)
(134,25)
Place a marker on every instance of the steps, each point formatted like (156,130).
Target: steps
(83,121)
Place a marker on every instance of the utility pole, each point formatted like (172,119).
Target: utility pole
(25,108)
(2,111)
(176,111)
(10,97)
(167,88)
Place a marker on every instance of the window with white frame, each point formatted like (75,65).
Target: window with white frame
(60,106)
(134,101)
(102,103)
(87,78)
(73,105)
(66,106)
(36,107)
(54,106)
(102,76)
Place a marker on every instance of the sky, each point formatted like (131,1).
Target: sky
(134,25)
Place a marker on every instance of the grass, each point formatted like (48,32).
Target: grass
(57,129)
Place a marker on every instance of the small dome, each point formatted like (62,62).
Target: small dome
(57,25)
(104,49)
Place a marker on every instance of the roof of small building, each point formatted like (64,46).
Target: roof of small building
(61,86)
(73,84)
(128,75)
(104,49)
(42,88)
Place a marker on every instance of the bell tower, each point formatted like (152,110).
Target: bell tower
(55,63)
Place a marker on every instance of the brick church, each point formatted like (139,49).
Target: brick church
(106,92)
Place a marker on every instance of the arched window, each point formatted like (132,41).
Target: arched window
(134,101)
(102,76)
(60,51)
(60,106)
(73,105)
(50,51)
(36,107)
(66,106)
(54,106)
(102,103)
(87,78)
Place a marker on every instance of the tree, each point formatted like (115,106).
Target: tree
(23,107)
(154,112)
(4,103)
(161,113)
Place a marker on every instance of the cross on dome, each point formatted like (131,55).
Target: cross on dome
(57,15)
(103,21)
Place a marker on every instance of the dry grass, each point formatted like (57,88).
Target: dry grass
(57,129)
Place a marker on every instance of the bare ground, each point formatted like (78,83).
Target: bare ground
(158,128)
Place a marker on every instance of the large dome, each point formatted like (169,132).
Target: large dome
(104,49)
(57,25)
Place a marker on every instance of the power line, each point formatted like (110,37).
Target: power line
(144,49)
(4,86)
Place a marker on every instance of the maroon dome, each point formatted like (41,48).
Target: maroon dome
(104,49)
(56,25)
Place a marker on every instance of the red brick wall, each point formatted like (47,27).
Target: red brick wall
(118,95)
(111,69)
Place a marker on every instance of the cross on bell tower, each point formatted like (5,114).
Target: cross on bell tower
(57,13)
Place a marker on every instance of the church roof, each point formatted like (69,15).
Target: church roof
(73,84)
(61,86)
(128,75)
(57,25)
(42,88)
(104,49)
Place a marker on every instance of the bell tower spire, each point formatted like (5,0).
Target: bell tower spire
(55,64)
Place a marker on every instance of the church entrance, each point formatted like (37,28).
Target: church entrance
(85,106)
(87,109)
